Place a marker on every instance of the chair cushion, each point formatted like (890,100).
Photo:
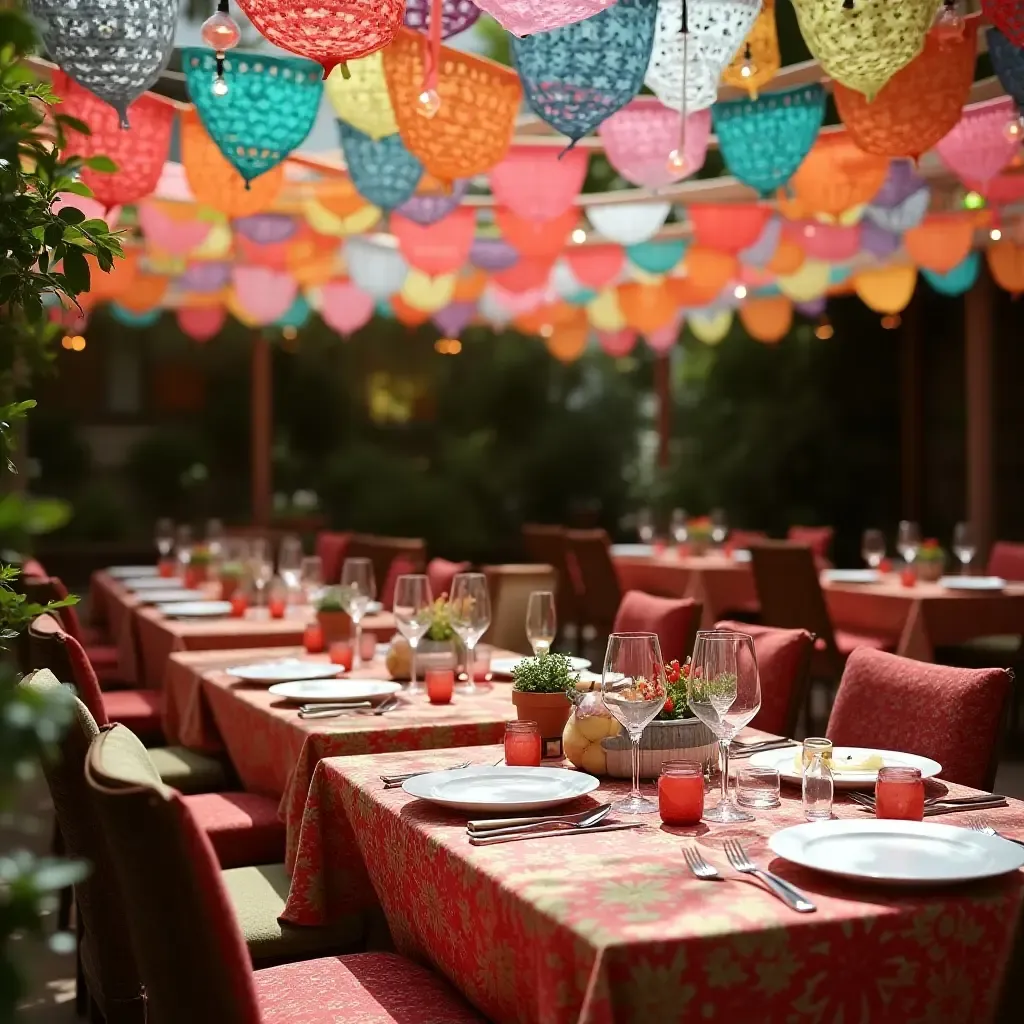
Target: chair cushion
(257,894)
(139,710)
(96,636)
(243,827)
(441,572)
(188,771)
(672,619)
(372,988)
(847,642)
(105,663)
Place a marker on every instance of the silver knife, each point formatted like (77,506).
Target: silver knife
(487,824)
(475,840)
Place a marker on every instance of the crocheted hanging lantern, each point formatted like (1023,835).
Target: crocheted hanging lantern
(640,138)
(628,223)
(536,183)
(940,241)
(761,251)
(758,59)
(710,327)
(656,257)
(1006,261)
(595,266)
(694,42)
(646,307)
(382,170)
(1004,188)
(336,208)
(528,274)
(662,339)
(807,282)
(603,312)
(344,307)
(919,104)
(837,176)
(617,343)
(958,280)
(440,248)
(427,293)
(268,109)
(114,48)
(886,290)
(431,203)
(201,323)
(708,271)
(362,99)
(146,293)
(788,258)
(456,15)
(172,228)
(978,147)
(267,228)
(764,141)
(492,254)
(377,270)
(328,31)
(729,227)
(831,242)
(1008,17)
(767,319)
(471,128)
(454,318)
(863,43)
(877,241)
(527,17)
(139,155)
(536,237)
(260,295)
(577,76)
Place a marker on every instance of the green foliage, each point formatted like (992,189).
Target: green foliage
(334,599)
(550,673)
(439,616)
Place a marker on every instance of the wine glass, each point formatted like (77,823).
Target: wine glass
(908,540)
(633,687)
(645,526)
(724,692)
(872,547)
(679,528)
(164,536)
(412,615)
(215,538)
(183,548)
(964,545)
(360,589)
(470,606)
(541,621)
(719,527)
(289,561)
(311,578)
(261,568)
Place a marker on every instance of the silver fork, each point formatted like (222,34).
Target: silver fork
(789,895)
(982,825)
(699,866)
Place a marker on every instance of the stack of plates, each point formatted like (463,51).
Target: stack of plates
(195,609)
(137,586)
(169,595)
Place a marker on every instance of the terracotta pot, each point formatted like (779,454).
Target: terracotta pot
(195,576)
(335,626)
(228,586)
(929,570)
(699,546)
(550,711)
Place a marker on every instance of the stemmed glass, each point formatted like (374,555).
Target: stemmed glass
(164,536)
(633,687)
(872,547)
(289,561)
(215,538)
(261,568)
(680,532)
(311,578)
(360,588)
(908,541)
(541,621)
(412,615)
(724,692)
(183,548)
(645,526)
(470,607)
(964,546)
(719,527)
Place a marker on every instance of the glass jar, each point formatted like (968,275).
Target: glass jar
(522,744)
(899,793)
(817,745)
(681,792)
(818,789)
(440,683)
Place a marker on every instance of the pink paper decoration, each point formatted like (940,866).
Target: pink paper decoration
(639,138)
(1003,189)
(517,303)
(617,343)
(537,182)
(662,339)
(728,227)
(344,307)
(264,295)
(169,234)
(978,148)
(530,272)
(595,266)
(525,17)
(832,242)
(439,248)
(201,323)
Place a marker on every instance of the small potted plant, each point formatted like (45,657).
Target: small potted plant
(930,562)
(698,535)
(197,569)
(438,649)
(540,693)
(332,614)
(230,576)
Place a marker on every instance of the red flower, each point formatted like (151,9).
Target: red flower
(672,671)
(669,706)
(930,544)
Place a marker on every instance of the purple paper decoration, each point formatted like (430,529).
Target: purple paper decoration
(900,184)
(878,241)
(813,308)
(758,254)
(430,208)
(492,254)
(266,228)
(205,276)
(456,16)
(454,318)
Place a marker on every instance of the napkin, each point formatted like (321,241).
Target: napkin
(871,763)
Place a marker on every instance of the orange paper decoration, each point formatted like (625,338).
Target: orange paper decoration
(767,319)
(146,293)
(595,266)
(568,342)
(214,182)
(728,227)
(917,106)
(710,269)
(837,175)
(762,44)
(886,290)
(338,196)
(472,129)
(941,241)
(470,286)
(526,274)
(536,237)
(686,294)
(1006,261)
(788,258)
(114,283)
(647,307)
(406,314)
(438,248)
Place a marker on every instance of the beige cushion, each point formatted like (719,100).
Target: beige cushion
(124,758)
(188,771)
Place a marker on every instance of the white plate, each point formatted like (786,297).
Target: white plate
(972,583)
(330,691)
(127,572)
(742,555)
(784,762)
(284,670)
(485,789)
(154,583)
(897,852)
(374,608)
(169,596)
(195,609)
(633,550)
(504,666)
(852,575)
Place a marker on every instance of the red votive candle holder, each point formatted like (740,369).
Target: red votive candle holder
(165,567)
(341,653)
(522,744)
(908,578)
(367,647)
(659,547)
(440,685)
(899,793)
(276,606)
(681,792)
(239,604)
(313,638)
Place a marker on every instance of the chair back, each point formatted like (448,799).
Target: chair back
(400,566)
(817,538)
(441,572)
(952,715)
(332,548)
(511,587)
(44,589)
(600,591)
(675,620)
(548,545)
(382,551)
(744,538)
(108,962)
(190,951)
(1006,560)
(784,663)
(53,648)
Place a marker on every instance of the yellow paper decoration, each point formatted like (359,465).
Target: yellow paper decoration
(864,44)
(217,243)
(235,308)
(762,58)
(362,100)
(426,293)
(710,328)
(767,319)
(604,312)
(810,281)
(886,290)
(325,222)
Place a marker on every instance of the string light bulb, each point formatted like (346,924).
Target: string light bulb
(221,33)
(1014,129)
(949,25)
(973,201)
(740,291)
(219,87)
(748,68)
(676,162)
(448,346)
(428,103)
(995,234)
(289,332)
(579,236)
(824,330)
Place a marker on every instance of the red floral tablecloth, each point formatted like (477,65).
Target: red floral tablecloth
(595,929)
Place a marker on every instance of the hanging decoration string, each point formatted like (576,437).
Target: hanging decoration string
(428,103)
(677,158)
(221,33)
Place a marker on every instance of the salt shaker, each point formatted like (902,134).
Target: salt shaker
(818,789)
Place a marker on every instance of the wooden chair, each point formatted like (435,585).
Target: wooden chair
(382,551)
(511,587)
(817,538)
(332,548)
(675,620)
(600,591)
(549,545)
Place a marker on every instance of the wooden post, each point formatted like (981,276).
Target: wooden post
(912,413)
(978,378)
(262,418)
(662,372)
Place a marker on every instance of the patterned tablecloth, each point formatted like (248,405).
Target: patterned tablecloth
(595,929)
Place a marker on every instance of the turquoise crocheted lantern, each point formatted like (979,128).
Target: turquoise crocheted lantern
(129,318)
(383,171)
(764,141)
(958,280)
(267,111)
(578,75)
(657,257)
(1007,63)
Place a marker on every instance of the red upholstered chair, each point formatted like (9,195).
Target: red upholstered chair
(817,538)
(332,549)
(33,567)
(784,663)
(441,572)
(400,566)
(1006,560)
(190,952)
(674,620)
(549,545)
(744,538)
(952,715)
(599,589)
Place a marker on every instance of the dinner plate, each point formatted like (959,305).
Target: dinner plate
(505,666)
(195,609)
(785,761)
(485,789)
(972,583)
(633,550)
(852,575)
(888,852)
(169,595)
(127,572)
(284,670)
(334,691)
(153,583)
(374,608)
(742,555)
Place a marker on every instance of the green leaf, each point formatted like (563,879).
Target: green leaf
(53,234)
(76,271)
(101,163)
(44,262)
(73,123)
(71,215)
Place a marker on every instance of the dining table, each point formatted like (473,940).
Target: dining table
(596,928)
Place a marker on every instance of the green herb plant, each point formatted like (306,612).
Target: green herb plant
(548,673)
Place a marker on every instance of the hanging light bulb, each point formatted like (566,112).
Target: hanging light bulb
(949,25)
(995,234)
(740,291)
(1014,129)
(219,87)
(546,330)
(824,330)
(676,162)
(428,103)
(221,32)
(579,236)
(748,68)
(847,5)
